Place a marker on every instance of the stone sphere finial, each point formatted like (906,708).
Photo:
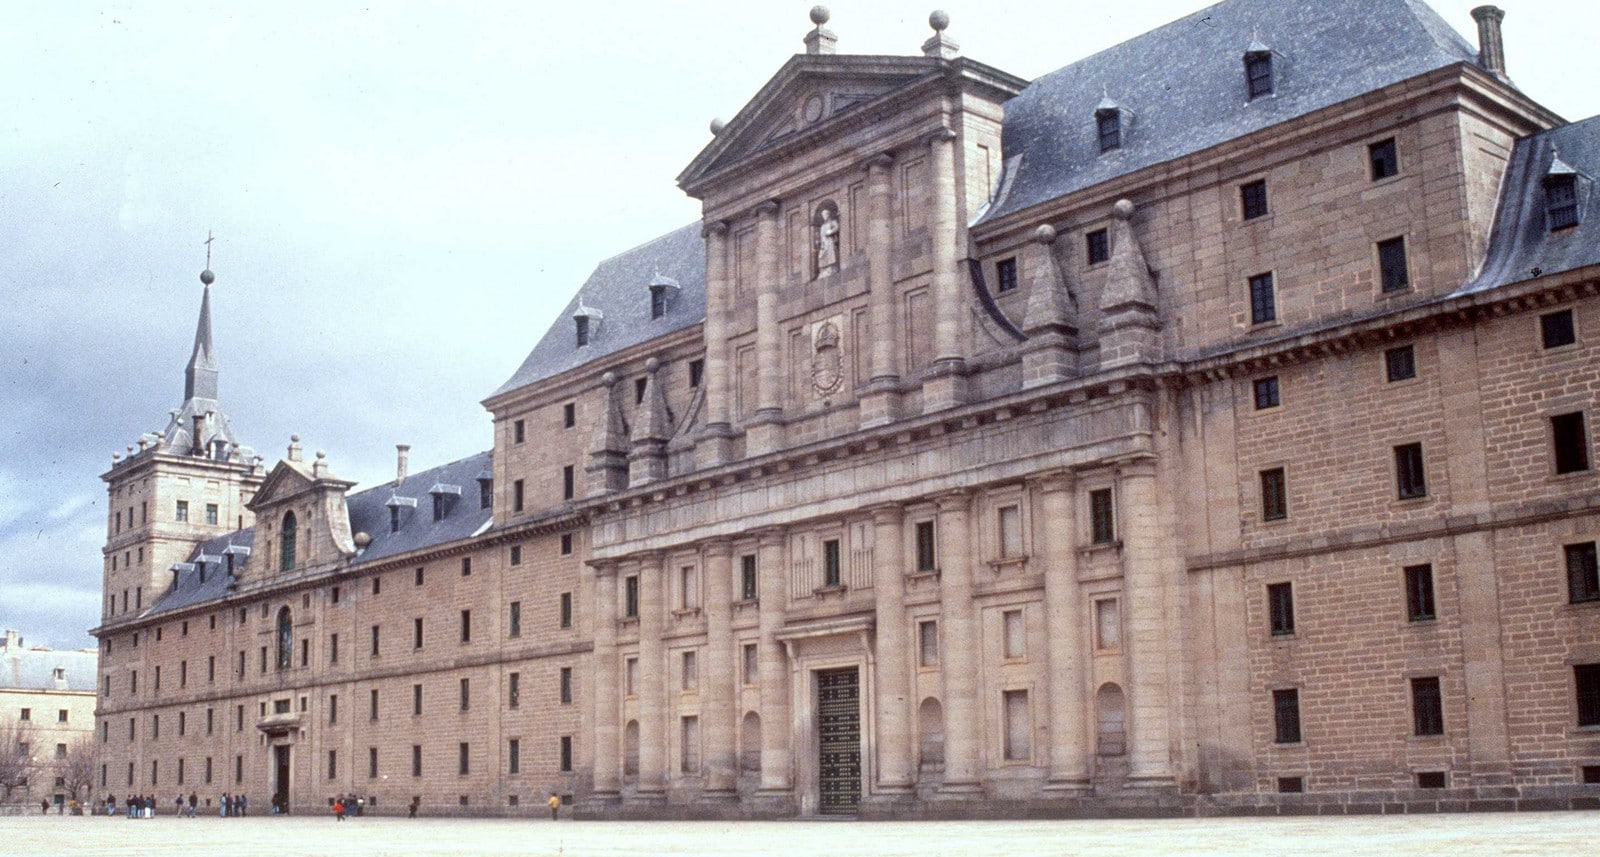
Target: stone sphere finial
(321,454)
(652,364)
(1045,234)
(608,379)
(207,277)
(1123,210)
(819,15)
(939,19)
(362,539)
(717,125)
(294,438)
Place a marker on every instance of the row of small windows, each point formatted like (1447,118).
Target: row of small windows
(62,715)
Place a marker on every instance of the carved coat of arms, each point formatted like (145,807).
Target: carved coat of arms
(827,359)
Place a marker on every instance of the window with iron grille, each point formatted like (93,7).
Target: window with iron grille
(1583,576)
(1400,364)
(1097,246)
(1561,201)
(1280,608)
(1258,73)
(927,559)
(830,563)
(1263,299)
(1102,517)
(1586,680)
(1427,706)
(1274,495)
(1005,275)
(1556,329)
(1419,592)
(1286,716)
(1108,125)
(1253,199)
(1266,390)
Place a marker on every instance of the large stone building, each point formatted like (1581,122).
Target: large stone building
(1204,426)
(47,711)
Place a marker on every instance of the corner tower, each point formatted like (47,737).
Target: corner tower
(175,487)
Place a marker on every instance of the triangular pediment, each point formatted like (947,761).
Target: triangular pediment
(285,481)
(802,99)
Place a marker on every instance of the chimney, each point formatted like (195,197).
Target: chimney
(199,434)
(1491,49)
(401,451)
(12,640)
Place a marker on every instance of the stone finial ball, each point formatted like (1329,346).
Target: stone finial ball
(939,19)
(1045,234)
(609,378)
(1123,210)
(294,438)
(652,364)
(717,125)
(819,15)
(321,454)
(362,539)
(207,277)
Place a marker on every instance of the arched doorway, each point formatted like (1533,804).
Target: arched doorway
(1111,729)
(930,745)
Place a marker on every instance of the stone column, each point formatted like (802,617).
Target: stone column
(777,753)
(766,424)
(880,400)
(721,675)
(607,746)
(945,385)
(718,427)
(963,645)
(652,699)
(1146,644)
(893,653)
(1055,541)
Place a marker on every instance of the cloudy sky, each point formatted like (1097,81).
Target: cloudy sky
(403,194)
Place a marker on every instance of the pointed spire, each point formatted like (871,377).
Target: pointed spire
(652,428)
(200,377)
(1128,280)
(608,449)
(1051,321)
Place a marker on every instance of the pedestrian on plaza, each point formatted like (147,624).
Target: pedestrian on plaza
(111,804)
(227,805)
(244,806)
(44,806)
(411,811)
(177,804)
(194,800)
(555,806)
(338,808)
(361,805)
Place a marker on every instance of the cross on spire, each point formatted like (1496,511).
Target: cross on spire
(209,238)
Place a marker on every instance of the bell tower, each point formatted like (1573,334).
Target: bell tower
(175,487)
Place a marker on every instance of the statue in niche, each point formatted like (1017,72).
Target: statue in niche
(827,360)
(827,241)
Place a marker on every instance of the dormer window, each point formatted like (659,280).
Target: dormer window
(485,489)
(1561,199)
(583,330)
(586,320)
(443,498)
(395,504)
(1108,125)
(662,292)
(1258,71)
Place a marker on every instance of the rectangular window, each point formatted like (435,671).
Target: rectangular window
(1008,522)
(630,676)
(514,621)
(1107,625)
(566,685)
(514,690)
(333,648)
(1266,390)
(1263,301)
(566,544)
(1384,159)
(372,763)
(1291,785)
(569,483)
(1427,706)
(516,495)
(333,764)
(639,387)
(927,557)
(1258,73)
(1583,573)
(630,597)
(1015,635)
(466,694)
(1419,592)
(333,708)
(1108,127)
(208,770)
(1571,442)
(1392,265)
(1432,779)
(1280,607)
(416,633)
(1097,246)
(697,371)
(466,626)
(518,433)
(1400,364)
(688,591)
(1286,716)
(1586,680)
(691,672)
(928,643)
(419,575)
(513,756)
(416,760)
(569,415)
(211,514)
(374,640)
(1102,517)
(211,721)
(830,562)
(1560,203)
(1018,729)
(1253,199)
(1005,275)
(466,566)
(1410,479)
(690,763)
(566,754)
(752,663)
(377,585)
(566,610)
(1274,495)
(747,577)
(183,510)
(516,555)
(416,700)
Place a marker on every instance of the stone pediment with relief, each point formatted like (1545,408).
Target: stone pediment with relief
(284,482)
(806,94)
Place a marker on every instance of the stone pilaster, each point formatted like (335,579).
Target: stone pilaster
(777,754)
(715,439)
(721,674)
(880,401)
(765,428)
(1146,642)
(607,730)
(963,714)
(652,698)
(946,383)
(1055,549)
(893,654)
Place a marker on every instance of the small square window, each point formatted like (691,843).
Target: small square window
(1266,392)
(1589,775)
(1263,299)
(1253,199)
(1005,274)
(1384,159)
(1556,329)
(1411,480)
(1419,593)
(1432,780)
(1274,495)
(1571,442)
(1400,364)
(1392,265)
(1291,785)
(1097,246)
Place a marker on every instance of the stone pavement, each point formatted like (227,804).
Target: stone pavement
(1487,833)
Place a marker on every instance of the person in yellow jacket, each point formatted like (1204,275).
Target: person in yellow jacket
(555,806)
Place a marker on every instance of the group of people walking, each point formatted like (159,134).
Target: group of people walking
(344,805)
(144,806)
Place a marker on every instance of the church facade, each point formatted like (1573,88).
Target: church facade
(1210,439)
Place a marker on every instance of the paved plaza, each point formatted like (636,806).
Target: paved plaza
(1499,834)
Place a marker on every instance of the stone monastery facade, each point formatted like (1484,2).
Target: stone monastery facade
(1206,426)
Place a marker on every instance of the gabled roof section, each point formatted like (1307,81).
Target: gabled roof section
(620,288)
(1521,245)
(1185,81)
(806,92)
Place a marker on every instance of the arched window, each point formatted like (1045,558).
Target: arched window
(286,543)
(285,638)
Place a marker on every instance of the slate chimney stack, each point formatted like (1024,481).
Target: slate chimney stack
(401,451)
(1491,49)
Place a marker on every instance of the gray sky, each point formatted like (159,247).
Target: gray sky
(403,195)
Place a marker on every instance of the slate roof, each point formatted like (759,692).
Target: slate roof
(35,669)
(620,289)
(1184,86)
(369,513)
(1521,242)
